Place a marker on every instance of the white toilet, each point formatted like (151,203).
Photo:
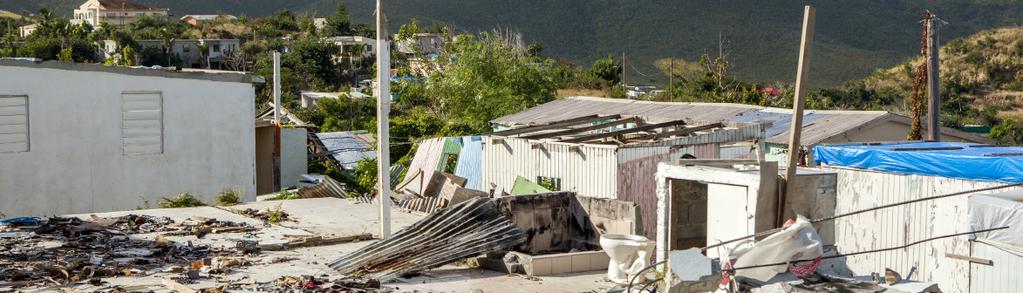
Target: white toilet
(629,254)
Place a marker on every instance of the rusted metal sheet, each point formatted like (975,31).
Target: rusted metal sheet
(326,187)
(861,189)
(467,229)
(428,156)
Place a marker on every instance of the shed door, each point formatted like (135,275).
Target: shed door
(727,217)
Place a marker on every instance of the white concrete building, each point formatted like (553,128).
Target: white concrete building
(351,45)
(27,30)
(115,12)
(78,138)
(188,52)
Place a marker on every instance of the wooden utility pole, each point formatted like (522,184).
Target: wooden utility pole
(933,78)
(624,81)
(671,72)
(797,110)
(277,121)
(383,112)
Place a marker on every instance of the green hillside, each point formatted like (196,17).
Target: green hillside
(853,37)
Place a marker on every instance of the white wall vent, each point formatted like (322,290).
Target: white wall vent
(14,136)
(142,123)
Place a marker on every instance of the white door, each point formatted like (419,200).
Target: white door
(727,216)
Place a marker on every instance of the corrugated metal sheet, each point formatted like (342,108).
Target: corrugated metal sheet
(818,125)
(1000,277)
(590,171)
(637,180)
(470,162)
(427,158)
(859,189)
(346,148)
(722,135)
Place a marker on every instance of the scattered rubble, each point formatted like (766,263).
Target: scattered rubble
(64,251)
(312,284)
(268,216)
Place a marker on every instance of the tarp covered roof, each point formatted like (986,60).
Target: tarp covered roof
(969,161)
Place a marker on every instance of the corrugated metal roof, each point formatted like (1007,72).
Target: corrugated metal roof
(818,125)
(346,148)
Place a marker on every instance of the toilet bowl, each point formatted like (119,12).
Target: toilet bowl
(629,255)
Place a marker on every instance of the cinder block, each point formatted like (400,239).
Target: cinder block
(541,266)
(581,262)
(561,265)
(599,261)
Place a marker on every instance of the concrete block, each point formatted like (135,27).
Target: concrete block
(540,267)
(580,262)
(561,264)
(599,261)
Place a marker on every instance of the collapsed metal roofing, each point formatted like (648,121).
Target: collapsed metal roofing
(818,125)
(347,148)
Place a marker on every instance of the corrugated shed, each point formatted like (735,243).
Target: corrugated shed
(589,171)
(470,162)
(1000,277)
(818,125)
(860,189)
(427,158)
(346,148)
(637,168)
(722,135)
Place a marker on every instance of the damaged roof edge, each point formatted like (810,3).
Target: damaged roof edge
(239,77)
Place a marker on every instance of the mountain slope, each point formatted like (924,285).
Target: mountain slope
(853,37)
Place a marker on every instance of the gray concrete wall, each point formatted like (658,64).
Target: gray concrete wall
(293,156)
(76,163)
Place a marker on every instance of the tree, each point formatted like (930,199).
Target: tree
(1008,132)
(339,23)
(607,70)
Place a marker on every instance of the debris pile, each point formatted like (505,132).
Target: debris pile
(63,251)
(468,229)
(428,193)
(268,216)
(312,284)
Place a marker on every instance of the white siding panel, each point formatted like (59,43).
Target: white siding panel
(142,123)
(590,171)
(859,189)
(1002,276)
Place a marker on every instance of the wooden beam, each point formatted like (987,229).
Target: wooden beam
(583,129)
(554,125)
(680,132)
(626,131)
(975,260)
(806,42)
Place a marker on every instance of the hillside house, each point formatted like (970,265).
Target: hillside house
(81,138)
(115,12)
(421,43)
(186,52)
(197,19)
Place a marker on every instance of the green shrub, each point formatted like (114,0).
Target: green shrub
(284,195)
(184,200)
(227,197)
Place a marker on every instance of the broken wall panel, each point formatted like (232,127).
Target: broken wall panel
(470,162)
(468,229)
(428,156)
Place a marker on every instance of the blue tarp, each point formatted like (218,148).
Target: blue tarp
(470,162)
(970,161)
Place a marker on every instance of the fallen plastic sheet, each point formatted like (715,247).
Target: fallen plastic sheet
(467,229)
(795,242)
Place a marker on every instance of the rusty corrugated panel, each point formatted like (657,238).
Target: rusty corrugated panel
(467,229)
(327,187)
(637,184)
(428,156)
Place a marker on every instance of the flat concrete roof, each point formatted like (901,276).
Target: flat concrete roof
(167,72)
